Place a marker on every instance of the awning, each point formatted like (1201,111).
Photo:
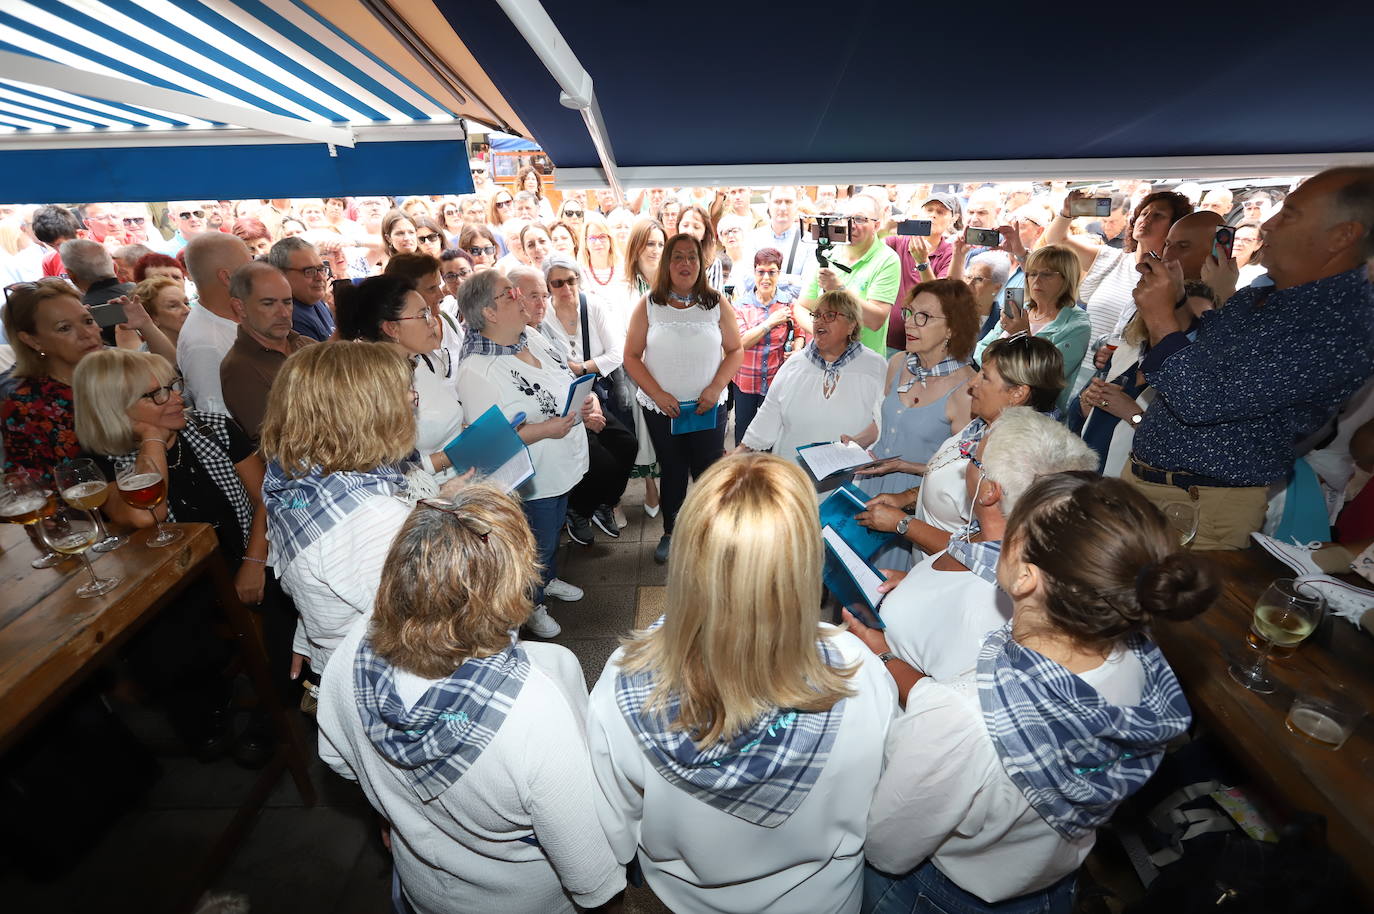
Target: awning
(155,100)
(753,93)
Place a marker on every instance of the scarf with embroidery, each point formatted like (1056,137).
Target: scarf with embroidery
(1074,755)
(300,511)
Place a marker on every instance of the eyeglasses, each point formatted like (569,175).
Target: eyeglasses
(560,283)
(574,213)
(1043,274)
(18,287)
(425,315)
(454,277)
(826,317)
(502,204)
(430,238)
(510,292)
(323,269)
(198,213)
(473,525)
(726,233)
(132,221)
(161,395)
(482,250)
(919,318)
(591,238)
(766,274)
(861,220)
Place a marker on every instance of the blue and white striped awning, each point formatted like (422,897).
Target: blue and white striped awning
(253,86)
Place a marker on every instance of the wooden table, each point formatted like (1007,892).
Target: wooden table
(51,640)
(1294,772)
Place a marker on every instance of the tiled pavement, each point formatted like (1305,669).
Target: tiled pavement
(327,859)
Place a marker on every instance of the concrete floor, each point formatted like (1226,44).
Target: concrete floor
(327,859)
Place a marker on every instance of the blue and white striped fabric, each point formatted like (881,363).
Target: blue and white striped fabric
(301,510)
(980,558)
(477,344)
(761,776)
(1074,756)
(438,739)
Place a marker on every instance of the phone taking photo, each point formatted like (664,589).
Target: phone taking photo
(983,238)
(109,314)
(1222,242)
(1091,206)
(918,227)
(1013,304)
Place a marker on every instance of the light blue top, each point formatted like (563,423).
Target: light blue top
(1069,333)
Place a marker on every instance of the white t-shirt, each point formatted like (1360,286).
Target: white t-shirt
(463,849)
(204,341)
(698,858)
(937,620)
(796,411)
(945,795)
(515,386)
(682,350)
(439,417)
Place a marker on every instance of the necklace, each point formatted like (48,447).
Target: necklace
(177,463)
(597,279)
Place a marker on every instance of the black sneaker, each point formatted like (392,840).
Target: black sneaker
(661,553)
(604,517)
(580,529)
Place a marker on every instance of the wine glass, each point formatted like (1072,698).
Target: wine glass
(83,485)
(23,501)
(71,531)
(146,489)
(1183,518)
(1287,612)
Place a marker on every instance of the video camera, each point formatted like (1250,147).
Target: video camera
(827,230)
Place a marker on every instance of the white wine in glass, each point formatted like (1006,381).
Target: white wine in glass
(1183,520)
(71,531)
(83,485)
(1287,612)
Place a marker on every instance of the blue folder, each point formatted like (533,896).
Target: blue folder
(837,512)
(491,445)
(688,420)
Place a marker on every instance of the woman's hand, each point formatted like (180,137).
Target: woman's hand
(298,662)
(1110,398)
(891,578)
(144,430)
(899,500)
(959,249)
(879,517)
(555,426)
(1077,193)
(892,465)
(1011,241)
(709,398)
(577,368)
(136,316)
(250,582)
(1018,324)
(666,404)
(452,486)
(872,637)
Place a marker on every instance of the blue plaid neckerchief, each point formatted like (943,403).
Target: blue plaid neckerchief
(832,369)
(1073,755)
(438,739)
(761,776)
(300,511)
(980,558)
(481,345)
(946,366)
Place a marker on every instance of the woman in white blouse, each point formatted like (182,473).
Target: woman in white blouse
(738,740)
(996,780)
(520,372)
(389,308)
(468,743)
(682,349)
(832,392)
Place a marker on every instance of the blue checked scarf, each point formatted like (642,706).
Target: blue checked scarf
(919,373)
(980,558)
(479,344)
(300,511)
(1073,755)
(761,776)
(438,739)
(832,369)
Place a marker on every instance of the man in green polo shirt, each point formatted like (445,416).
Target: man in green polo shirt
(875,271)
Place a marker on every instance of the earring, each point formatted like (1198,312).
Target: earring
(42,354)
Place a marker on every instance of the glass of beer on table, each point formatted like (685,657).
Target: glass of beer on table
(71,531)
(23,499)
(83,485)
(147,489)
(1287,612)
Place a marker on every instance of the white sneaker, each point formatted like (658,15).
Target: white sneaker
(540,623)
(562,590)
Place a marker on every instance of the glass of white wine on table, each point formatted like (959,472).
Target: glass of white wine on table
(147,489)
(23,499)
(83,485)
(1287,612)
(71,531)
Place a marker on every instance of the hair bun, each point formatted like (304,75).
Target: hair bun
(1176,587)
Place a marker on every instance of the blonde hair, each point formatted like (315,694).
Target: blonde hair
(458,578)
(105,386)
(340,407)
(12,237)
(847,305)
(21,309)
(592,218)
(744,589)
(147,291)
(1063,261)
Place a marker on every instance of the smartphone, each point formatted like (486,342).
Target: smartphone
(983,238)
(109,314)
(1222,242)
(1013,303)
(1091,206)
(914,227)
(837,231)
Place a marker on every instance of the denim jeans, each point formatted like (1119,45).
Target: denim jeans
(746,407)
(926,890)
(546,522)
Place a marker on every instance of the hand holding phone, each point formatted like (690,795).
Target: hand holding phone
(919,227)
(981,237)
(1013,304)
(1100,207)
(1222,242)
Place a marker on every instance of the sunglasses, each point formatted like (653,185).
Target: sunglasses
(474,526)
(560,283)
(132,221)
(198,213)
(479,171)
(574,213)
(502,204)
(430,238)
(483,251)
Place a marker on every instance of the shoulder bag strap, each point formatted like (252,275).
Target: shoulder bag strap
(586,336)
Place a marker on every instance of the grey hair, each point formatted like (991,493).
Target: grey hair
(1023,445)
(559,262)
(476,293)
(86,261)
(129,254)
(242,279)
(208,253)
(280,253)
(999,265)
(516,274)
(1352,202)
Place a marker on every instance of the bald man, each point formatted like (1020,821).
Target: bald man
(1218,201)
(1189,242)
(212,326)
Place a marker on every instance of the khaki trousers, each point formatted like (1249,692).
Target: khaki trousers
(1226,516)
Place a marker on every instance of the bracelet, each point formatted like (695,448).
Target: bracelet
(161,441)
(1063,215)
(249,558)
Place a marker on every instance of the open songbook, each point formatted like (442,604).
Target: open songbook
(492,447)
(855,581)
(830,462)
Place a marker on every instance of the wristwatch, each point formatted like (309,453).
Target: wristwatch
(1137,419)
(885,656)
(903,524)
(923,266)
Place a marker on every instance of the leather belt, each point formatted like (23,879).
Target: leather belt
(1179,479)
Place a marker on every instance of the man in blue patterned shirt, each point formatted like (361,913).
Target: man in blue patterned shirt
(1267,369)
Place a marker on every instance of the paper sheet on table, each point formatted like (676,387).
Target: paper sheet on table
(493,448)
(827,459)
(858,571)
(577,392)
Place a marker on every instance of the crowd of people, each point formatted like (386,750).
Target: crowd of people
(1035,389)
